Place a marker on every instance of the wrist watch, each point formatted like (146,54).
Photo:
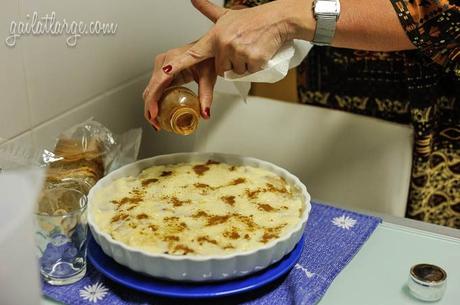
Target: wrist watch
(326,13)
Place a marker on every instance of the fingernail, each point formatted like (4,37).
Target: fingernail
(208,112)
(167,69)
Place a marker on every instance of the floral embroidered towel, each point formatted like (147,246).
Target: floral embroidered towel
(332,237)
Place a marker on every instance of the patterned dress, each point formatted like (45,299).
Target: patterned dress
(419,87)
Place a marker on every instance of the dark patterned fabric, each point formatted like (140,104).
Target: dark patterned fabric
(419,87)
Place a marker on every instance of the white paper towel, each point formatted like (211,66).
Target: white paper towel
(289,56)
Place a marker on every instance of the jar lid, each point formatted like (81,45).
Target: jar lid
(428,275)
(427,282)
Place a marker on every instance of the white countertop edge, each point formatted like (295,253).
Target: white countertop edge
(403,222)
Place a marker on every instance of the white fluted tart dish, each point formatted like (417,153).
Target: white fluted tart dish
(198,216)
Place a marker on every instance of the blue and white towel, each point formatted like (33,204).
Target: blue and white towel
(332,238)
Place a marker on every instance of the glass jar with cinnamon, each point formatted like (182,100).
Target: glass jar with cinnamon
(179,110)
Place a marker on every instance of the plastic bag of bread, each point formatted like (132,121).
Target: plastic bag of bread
(78,163)
(84,153)
(81,156)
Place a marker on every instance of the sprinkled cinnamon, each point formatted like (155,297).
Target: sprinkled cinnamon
(200,213)
(166,173)
(125,200)
(266,207)
(200,169)
(228,200)
(137,192)
(212,162)
(177,203)
(271,233)
(237,181)
(202,239)
(147,182)
(171,218)
(232,234)
(173,224)
(252,194)
(201,185)
(267,236)
(142,216)
(171,238)
(186,250)
(217,219)
(247,220)
(120,216)
(153,227)
(273,189)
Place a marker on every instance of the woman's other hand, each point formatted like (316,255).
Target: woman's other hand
(244,40)
(241,40)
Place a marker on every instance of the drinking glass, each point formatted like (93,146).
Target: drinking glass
(61,232)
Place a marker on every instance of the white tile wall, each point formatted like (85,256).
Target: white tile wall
(14,110)
(60,77)
(42,78)
(119,110)
(46,86)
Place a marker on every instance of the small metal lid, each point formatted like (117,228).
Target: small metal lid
(428,275)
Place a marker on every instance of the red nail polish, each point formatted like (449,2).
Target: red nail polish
(208,112)
(167,69)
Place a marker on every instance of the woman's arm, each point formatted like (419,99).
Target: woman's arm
(369,25)
(363,25)
(432,26)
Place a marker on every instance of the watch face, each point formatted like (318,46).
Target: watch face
(327,8)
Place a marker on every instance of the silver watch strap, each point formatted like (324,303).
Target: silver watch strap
(325,30)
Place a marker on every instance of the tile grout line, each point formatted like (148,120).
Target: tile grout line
(93,99)
(25,77)
(84,104)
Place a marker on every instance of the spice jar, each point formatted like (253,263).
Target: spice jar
(179,110)
(427,282)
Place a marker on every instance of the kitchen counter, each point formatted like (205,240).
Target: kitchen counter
(378,273)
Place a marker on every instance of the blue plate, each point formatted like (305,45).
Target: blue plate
(126,277)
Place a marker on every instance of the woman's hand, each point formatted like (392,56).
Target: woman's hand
(203,73)
(244,40)
(241,40)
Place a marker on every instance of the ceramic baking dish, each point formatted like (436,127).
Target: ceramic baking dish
(198,268)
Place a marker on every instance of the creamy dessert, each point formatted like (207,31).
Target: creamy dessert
(205,209)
